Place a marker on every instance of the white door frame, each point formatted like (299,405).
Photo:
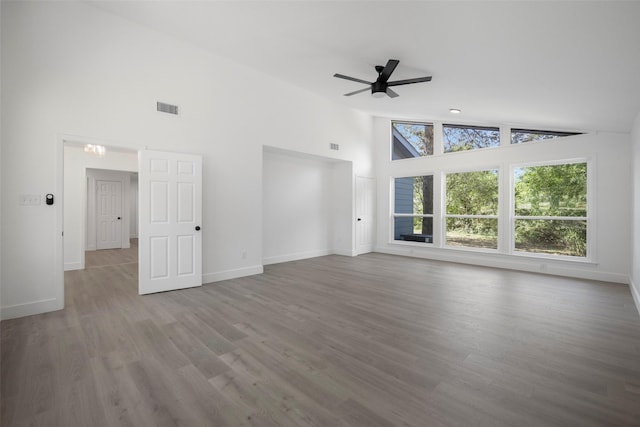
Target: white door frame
(58,279)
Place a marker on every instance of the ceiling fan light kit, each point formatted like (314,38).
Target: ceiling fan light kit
(381,86)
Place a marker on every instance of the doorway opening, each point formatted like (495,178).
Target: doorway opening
(100,206)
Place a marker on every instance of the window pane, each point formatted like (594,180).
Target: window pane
(473,193)
(552,237)
(414,195)
(462,138)
(472,232)
(413,229)
(411,140)
(519,136)
(553,190)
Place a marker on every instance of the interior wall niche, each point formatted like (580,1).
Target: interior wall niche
(307,206)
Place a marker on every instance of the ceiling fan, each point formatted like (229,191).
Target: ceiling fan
(382,84)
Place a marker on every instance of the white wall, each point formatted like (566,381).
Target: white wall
(635,251)
(1,144)
(76,197)
(300,207)
(609,153)
(344,227)
(59,78)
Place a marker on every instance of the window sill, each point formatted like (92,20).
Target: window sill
(495,253)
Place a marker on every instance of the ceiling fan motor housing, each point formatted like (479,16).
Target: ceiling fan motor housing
(378,87)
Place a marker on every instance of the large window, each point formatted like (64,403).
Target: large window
(472,209)
(551,209)
(519,136)
(462,138)
(411,140)
(543,209)
(413,209)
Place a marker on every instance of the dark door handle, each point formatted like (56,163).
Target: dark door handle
(119,218)
(359,219)
(197,228)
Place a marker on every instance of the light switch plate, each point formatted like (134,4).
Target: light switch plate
(30,200)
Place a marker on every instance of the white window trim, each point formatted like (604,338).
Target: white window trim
(471,216)
(411,122)
(443,124)
(591,244)
(392,204)
(412,215)
(506,218)
(445,215)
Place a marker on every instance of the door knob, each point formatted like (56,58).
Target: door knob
(359,219)
(119,218)
(197,228)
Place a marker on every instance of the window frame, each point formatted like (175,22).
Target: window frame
(393,215)
(589,218)
(410,122)
(443,125)
(558,134)
(497,216)
(506,219)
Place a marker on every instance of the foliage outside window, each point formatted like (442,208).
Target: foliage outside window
(463,138)
(413,209)
(551,209)
(472,209)
(411,140)
(519,136)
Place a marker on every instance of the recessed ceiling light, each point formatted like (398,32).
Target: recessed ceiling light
(455,110)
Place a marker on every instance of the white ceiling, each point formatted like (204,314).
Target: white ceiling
(562,65)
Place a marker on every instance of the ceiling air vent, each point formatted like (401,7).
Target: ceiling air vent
(334,146)
(167,108)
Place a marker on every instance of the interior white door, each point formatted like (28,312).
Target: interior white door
(170,215)
(108,214)
(365,218)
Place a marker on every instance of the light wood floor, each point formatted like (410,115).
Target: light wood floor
(106,257)
(374,340)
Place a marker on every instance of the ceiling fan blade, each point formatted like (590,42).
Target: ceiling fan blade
(409,81)
(388,69)
(357,91)
(391,93)
(353,79)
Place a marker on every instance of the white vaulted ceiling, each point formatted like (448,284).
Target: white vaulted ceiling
(564,65)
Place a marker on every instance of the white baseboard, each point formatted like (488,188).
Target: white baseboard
(345,252)
(635,292)
(296,256)
(31,308)
(69,266)
(232,274)
(542,266)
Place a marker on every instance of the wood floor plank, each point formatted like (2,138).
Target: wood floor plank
(374,340)
(201,356)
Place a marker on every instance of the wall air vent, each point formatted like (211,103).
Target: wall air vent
(167,108)
(334,146)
